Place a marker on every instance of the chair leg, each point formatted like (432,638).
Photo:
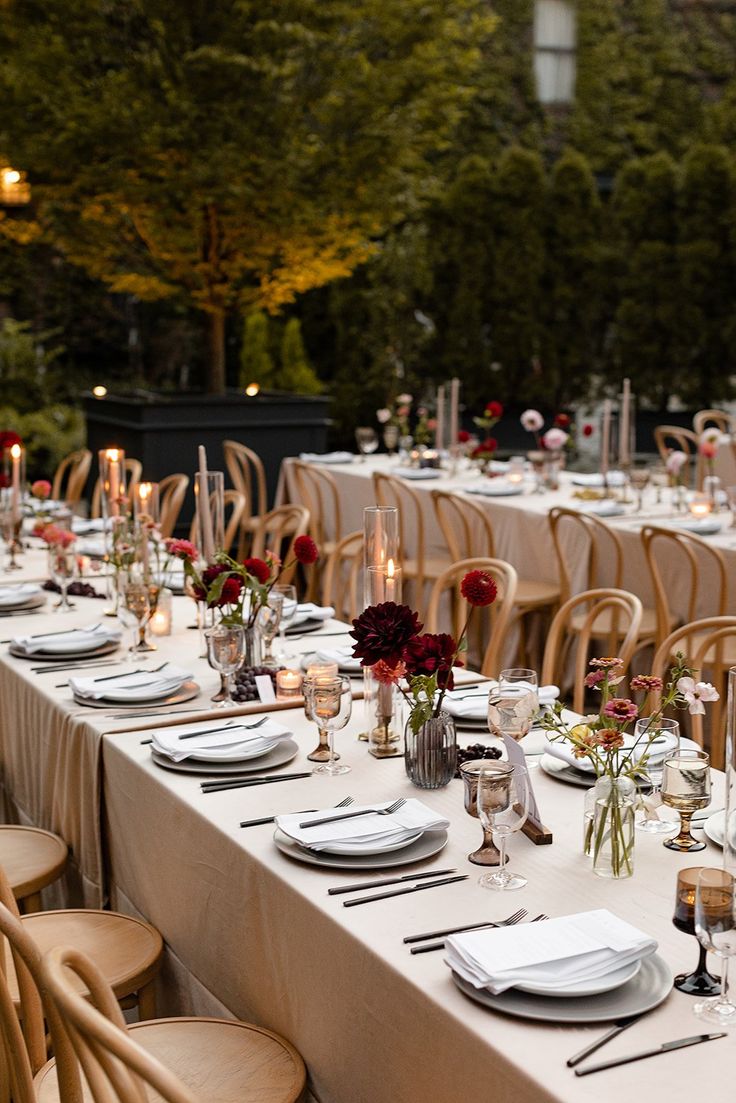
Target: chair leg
(147,1001)
(31,903)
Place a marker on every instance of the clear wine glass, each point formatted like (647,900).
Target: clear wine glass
(514,703)
(367,440)
(137,600)
(503,807)
(648,730)
(639,477)
(715,926)
(288,613)
(329,703)
(62,568)
(686,788)
(268,621)
(225,654)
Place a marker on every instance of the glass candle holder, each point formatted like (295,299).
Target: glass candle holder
(288,684)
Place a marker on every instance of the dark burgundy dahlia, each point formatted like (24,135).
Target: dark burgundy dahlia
(383,631)
(431,653)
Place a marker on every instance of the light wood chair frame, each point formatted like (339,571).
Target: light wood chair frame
(274,528)
(596,534)
(718,419)
(75,468)
(248,475)
(460,521)
(623,606)
(27,891)
(392,491)
(343,575)
(687,441)
(499,613)
(692,550)
(234,500)
(172,491)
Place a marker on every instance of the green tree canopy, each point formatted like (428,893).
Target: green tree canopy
(233,155)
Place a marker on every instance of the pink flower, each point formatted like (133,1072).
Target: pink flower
(405,400)
(182,549)
(708,449)
(620,708)
(432,424)
(610,739)
(56,537)
(383,415)
(532,421)
(554,439)
(41,489)
(594,678)
(607,662)
(695,693)
(675,462)
(388,674)
(403,411)
(647,682)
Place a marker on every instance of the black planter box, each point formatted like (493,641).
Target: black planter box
(163,431)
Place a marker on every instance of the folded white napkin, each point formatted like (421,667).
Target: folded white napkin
(499,467)
(327,457)
(136,686)
(237,741)
(496,488)
(663,746)
(17,595)
(75,640)
(417,474)
(614,478)
(370,830)
(307,610)
(561,951)
(344,658)
(91,545)
(606,508)
(85,526)
(472,702)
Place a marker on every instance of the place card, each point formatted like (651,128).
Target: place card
(264,685)
(534,829)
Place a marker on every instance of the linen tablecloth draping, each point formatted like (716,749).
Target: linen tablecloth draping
(248,928)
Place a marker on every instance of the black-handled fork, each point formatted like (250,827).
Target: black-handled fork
(430,947)
(397,804)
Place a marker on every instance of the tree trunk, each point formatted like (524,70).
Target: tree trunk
(215,381)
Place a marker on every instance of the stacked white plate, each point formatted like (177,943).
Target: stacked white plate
(419,474)
(369,834)
(227,741)
(496,488)
(77,641)
(131,688)
(613,478)
(308,613)
(26,595)
(327,457)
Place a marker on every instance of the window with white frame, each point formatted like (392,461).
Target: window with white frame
(555,40)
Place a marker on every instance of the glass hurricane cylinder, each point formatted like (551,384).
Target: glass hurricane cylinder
(380,542)
(431,753)
(209,497)
(112,482)
(613,827)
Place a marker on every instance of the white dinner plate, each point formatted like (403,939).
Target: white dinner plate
(497,490)
(585,987)
(352,849)
(232,754)
(429,843)
(54,656)
(714,827)
(650,987)
(186,692)
(21,601)
(351,670)
(301,627)
(556,768)
(284,752)
(138,695)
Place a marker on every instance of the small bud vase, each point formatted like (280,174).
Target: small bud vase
(431,753)
(613,834)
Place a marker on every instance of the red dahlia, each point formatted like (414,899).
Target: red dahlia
(562,421)
(382,632)
(432,653)
(479,588)
(305,550)
(463,436)
(260,570)
(588,429)
(494,409)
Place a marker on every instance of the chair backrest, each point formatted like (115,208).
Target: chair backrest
(499,612)
(116,1068)
(705,419)
(235,502)
(75,469)
(171,493)
(25,1036)
(669,437)
(465,525)
(318,492)
(696,563)
(276,531)
(579,536)
(703,643)
(248,476)
(621,611)
(133,472)
(342,577)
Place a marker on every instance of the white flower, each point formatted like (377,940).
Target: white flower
(405,399)
(554,439)
(714,436)
(383,415)
(532,421)
(695,693)
(675,461)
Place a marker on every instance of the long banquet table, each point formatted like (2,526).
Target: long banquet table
(253,933)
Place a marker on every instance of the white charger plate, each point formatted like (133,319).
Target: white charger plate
(119,696)
(352,849)
(650,987)
(585,987)
(186,692)
(55,656)
(284,752)
(714,827)
(428,844)
(24,601)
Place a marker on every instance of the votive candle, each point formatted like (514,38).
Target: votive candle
(288,684)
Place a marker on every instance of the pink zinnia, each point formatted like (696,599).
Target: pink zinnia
(182,549)
(610,739)
(41,488)
(647,682)
(620,708)
(607,662)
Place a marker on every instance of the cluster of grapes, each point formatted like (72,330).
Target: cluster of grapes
(245,682)
(474,751)
(74,589)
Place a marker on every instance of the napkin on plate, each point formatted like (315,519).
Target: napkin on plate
(472,702)
(496,488)
(327,457)
(664,745)
(417,474)
(701,526)
(136,686)
(75,640)
(614,478)
(91,545)
(344,658)
(561,951)
(17,595)
(369,830)
(307,610)
(237,742)
(606,508)
(85,526)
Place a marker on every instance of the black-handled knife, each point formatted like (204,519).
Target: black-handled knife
(666,1047)
(388,881)
(400,892)
(618,1028)
(244,783)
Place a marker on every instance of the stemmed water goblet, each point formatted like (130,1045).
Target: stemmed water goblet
(268,622)
(329,702)
(225,654)
(700,982)
(503,807)
(652,728)
(686,788)
(715,926)
(639,478)
(62,568)
(514,703)
(10,525)
(289,609)
(136,600)
(367,440)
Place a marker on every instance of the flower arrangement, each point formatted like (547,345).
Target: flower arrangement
(396,412)
(492,414)
(390,641)
(674,464)
(708,445)
(424,427)
(561,433)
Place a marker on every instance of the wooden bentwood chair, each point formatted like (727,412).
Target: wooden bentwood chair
(71,475)
(171,494)
(249,477)
(32,860)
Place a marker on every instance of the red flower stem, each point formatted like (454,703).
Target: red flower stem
(458,646)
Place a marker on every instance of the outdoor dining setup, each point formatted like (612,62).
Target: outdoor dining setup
(416,783)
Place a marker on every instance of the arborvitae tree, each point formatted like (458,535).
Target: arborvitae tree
(296,374)
(517,235)
(646,346)
(256,365)
(574,286)
(707,273)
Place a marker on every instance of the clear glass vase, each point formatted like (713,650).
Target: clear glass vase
(431,753)
(612,843)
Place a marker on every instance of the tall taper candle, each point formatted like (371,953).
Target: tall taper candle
(605,436)
(203,505)
(15,454)
(454,412)
(439,435)
(624,443)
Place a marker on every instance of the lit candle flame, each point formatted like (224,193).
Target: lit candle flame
(113,454)
(390,569)
(15,451)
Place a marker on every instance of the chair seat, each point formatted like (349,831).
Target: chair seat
(728,647)
(433,567)
(220,1060)
(126,950)
(31,858)
(530,593)
(602,623)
